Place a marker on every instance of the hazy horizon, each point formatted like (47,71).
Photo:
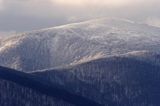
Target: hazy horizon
(27,15)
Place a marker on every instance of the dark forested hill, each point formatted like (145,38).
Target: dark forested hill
(122,81)
(21,89)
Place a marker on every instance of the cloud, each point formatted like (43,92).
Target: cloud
(1,4)
(154,21)
(73,19)
(6,34)
(24,15)
(110,3)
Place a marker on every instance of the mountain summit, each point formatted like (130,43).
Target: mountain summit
(78,42)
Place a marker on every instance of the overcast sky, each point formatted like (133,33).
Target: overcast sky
(26,15)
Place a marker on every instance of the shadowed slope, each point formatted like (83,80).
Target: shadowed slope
(123,81)
(42,86)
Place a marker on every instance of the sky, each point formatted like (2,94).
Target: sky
(26,15)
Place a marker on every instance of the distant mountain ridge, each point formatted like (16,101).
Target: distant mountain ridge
(63,45)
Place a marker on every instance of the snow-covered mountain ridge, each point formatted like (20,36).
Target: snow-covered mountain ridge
(83,41)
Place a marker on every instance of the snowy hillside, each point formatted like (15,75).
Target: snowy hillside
(108,61)
(63,45)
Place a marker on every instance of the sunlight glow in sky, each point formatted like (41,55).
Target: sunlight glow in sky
(1,4)
(26,15)
(93,2)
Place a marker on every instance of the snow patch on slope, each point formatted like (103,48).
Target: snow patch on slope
(89,58)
